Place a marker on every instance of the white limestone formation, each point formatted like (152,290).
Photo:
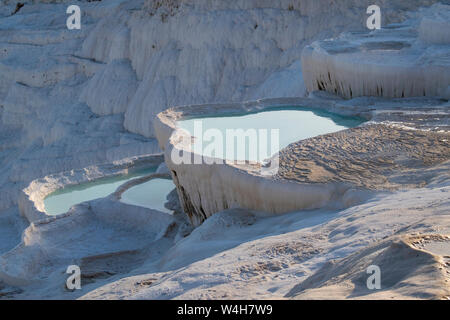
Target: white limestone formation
(77,105)
(400,60)
(209,186)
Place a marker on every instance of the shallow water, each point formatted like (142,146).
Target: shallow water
(294,124)
(151,194)
(62,200)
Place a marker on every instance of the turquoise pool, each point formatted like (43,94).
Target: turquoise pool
(63,199)
(151,194)
(293,123)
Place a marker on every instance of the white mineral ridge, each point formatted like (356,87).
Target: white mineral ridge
(400,60)
(111,89)
(127,64)
(102,227)
(434,25)
(238,254)
(188,52)
(73,99)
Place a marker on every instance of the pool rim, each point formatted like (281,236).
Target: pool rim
(31,199)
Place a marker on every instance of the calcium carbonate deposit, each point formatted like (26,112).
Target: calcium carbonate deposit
(102,101)
(409,59)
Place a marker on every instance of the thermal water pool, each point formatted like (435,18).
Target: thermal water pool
(294,124)
(151,194)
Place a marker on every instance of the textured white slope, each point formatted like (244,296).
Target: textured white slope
(110,90)
(44,128)
(237,254)
(303,180)
(89,230)
(435,24)
(186,52)
(134,59)
(66,95)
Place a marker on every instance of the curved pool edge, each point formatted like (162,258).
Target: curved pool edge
(117,195)
(31,199)
(108,212)
(205,189)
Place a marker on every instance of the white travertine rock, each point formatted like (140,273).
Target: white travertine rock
(131,60)
(208,187)
(435,24)
(239,254)
(110,91)
(392,62)
(446,93)
(186,52)
(110,38)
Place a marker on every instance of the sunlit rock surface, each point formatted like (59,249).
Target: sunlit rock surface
(400,60)
(186,52)
(75,101)
(404,144)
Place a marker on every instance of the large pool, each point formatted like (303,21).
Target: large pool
(293,123)
(63,199)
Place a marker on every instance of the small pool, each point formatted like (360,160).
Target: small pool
(63,199)
(151,194)
(294,124)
